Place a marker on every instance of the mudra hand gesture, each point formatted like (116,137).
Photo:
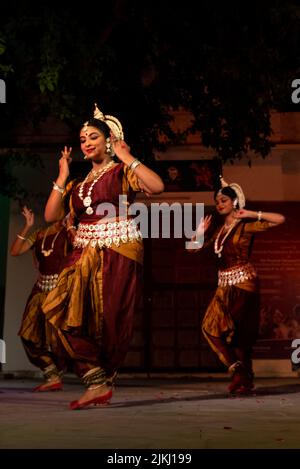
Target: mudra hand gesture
(29,216)
(65,161)
(197,240)
(203,226)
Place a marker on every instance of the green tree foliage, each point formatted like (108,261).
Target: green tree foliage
(230,65)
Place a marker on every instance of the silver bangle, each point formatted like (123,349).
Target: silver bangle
(21,237)
(134,164)
(56,187)
(259,215)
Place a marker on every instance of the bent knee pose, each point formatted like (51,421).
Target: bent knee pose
(93,304)
(49,245)
(231,322)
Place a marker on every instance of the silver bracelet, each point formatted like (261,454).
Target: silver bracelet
(259,215)
(56,187)
(134,164)
(21,237)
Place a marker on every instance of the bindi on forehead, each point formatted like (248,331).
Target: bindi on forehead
(89,131)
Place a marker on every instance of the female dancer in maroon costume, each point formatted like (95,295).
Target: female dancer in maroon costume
(231,321)
(49,246)
(93,305)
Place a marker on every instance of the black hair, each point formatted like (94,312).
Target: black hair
(100,125)
(228,191)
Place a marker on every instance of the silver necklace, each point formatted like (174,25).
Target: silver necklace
(218,249)
(87,200)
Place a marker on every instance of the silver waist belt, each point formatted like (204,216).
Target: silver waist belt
(47,282)
(106,234)
(236,274)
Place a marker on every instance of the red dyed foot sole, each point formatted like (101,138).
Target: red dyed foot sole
(49,387)
(97,401)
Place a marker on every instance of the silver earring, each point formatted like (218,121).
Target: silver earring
(108,146)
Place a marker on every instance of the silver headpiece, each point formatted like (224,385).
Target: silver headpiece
(237,189)
(113,123)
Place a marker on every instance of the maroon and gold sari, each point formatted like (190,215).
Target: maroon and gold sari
(93,305)
(38,337)
(231,321)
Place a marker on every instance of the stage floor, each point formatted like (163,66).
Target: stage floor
(152,413)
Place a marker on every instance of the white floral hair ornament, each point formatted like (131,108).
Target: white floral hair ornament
(237,189)
(113,123)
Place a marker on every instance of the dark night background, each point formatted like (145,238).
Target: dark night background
(226,70)
(229,64)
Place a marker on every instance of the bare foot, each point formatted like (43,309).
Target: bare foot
(48,385)
(92,392)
